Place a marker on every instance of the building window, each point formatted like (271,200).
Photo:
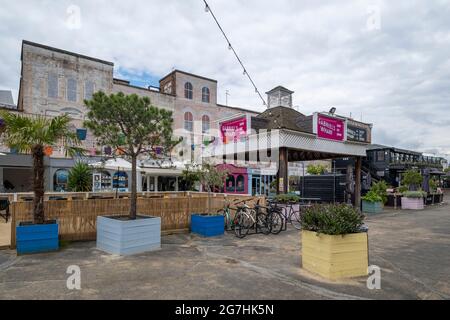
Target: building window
(71,89)
(205,94)
(188,91)
(380,156)
(188,122)
(60,179)
(52,85)
(88,90)
(230,184)
(240,183)
(205,124)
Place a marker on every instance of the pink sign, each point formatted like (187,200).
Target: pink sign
(233,130)
(330,128)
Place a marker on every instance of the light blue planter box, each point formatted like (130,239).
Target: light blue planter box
(126,237)
(37,238)
(372,207)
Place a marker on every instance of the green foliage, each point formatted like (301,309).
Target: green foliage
(23,132)
(402,189)
(434,184)
(380,188)
(80,178)
(447,170)
(372,196)
(316,169)
(132,125)
(284,198)
(414,194)
(412,179)
(207,174)
(333,219)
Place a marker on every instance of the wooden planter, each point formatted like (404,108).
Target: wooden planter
(372,207)
(35,238)
(126,237)
(208,226)
(412,203)
(335,257)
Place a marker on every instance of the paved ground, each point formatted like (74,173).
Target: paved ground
(5,233)
(412,249)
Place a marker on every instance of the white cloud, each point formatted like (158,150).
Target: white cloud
(396,77)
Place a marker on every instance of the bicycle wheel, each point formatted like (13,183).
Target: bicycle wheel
(262,223)
(228,222)
(276,221)
(241,224)
(295,220)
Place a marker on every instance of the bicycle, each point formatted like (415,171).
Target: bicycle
(273,217)
(226,212)
(247,218)
(290,215)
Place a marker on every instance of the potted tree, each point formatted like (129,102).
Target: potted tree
(133,126)
(80,178)
(413,199)
(32,135)
(207,224)
(334,244)
(375,199)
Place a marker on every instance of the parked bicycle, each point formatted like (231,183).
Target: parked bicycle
(227,213)
(251,218)
(291,214)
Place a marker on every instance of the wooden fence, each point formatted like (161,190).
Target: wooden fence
(77,218)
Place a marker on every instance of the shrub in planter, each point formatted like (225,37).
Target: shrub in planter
(131,125)
(413,200)
(333,244)
(372,202)
(209,224)
(31,135)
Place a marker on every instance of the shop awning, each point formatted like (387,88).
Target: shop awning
(162,171)
(114,164)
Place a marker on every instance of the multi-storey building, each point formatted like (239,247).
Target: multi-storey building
(55,81)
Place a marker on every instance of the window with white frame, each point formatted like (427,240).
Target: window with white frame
(188,122)
(52,85)
(88,90)
(72,89)
(188,90)
(205,94)
(205,124)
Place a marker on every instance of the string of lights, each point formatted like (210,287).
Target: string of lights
(230,47)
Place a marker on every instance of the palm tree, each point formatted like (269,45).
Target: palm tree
(30,134)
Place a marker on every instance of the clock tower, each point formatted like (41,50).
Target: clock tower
(279,96)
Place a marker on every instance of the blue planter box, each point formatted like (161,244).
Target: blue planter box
(127,237)
(372,207)
(208,226)
(37,238)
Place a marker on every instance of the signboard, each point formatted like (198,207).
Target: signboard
(330,128)
(358,131)
(234,130)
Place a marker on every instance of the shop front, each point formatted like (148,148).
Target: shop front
(237,180)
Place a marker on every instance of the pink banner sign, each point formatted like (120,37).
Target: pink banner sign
(233,130)
(330,128)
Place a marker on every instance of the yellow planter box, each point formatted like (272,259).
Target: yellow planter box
(335,257)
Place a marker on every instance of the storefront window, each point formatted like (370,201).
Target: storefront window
(380,156)
(231,184)
(60,180)
(240,184)
(102,181)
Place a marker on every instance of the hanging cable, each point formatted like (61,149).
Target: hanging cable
(230,47)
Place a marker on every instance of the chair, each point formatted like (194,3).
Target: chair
(4,206)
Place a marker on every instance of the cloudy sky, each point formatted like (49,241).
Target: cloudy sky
(385,62)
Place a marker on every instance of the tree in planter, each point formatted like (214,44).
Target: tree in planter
(413,179)
(208,175)
(316,169)
(32,135)
(80,178)
(379,189)
(133,126)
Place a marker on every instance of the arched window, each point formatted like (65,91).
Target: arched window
(205,94)
(230,184)
(240,183)
(188,90)
(205,124)
(72,89)
(188,122)
(60,180)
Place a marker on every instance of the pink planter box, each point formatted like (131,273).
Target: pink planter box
(412,203)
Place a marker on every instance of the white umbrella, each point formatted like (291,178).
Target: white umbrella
(114,164)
